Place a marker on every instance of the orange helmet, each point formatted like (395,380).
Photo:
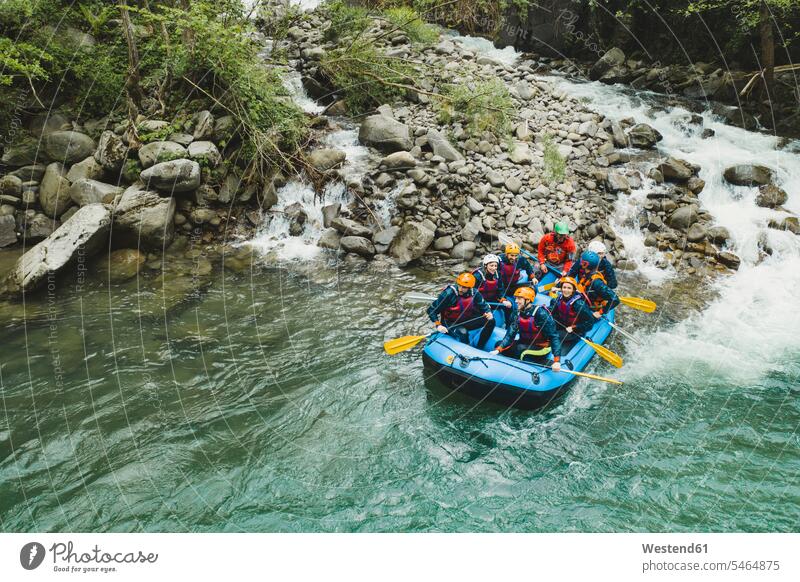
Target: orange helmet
(525,293)
(512,249)
(466,280)
(571,281)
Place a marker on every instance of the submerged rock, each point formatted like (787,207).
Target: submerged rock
(770,196)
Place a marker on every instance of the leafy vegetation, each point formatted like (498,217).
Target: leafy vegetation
(407,19)
(484,106)
(555,165)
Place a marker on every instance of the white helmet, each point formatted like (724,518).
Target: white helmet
(597,246)
(491,259)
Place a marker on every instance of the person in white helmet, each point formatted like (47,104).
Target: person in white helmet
(605,268)
(488,281)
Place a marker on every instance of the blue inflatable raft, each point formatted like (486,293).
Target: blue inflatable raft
(511,382)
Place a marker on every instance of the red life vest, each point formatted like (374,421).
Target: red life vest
(463,310)
(509,273)
(565,311)
(489,288)
(554,252)
(585,282)
(530,334)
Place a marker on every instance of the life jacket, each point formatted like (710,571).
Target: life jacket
(529,333)
(584,283)
(463,310)
(565,311)
(489,288)
(554,252)
(509,274)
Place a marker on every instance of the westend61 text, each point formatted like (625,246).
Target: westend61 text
(65,553)
(670,549)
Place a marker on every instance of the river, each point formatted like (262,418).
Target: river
(248,391)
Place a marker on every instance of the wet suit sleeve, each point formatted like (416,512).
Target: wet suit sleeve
(547,324)
(570,248)
(480,303)
(605,293)
(573,271)
(585,317)
(542,243)
(608,272)
(441,303)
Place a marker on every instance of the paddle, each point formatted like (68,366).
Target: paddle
(638,303)
(584,375)
(401,344)
(609,356)
(622,331)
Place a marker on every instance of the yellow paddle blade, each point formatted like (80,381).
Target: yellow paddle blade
(547,287)
(638,303)
(593,377)
(402,344)
(609,356)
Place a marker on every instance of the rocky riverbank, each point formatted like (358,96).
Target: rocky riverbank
(436,188)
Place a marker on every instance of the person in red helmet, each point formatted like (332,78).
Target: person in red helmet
(557,249)
(460,308)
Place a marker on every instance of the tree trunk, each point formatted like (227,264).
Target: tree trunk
(132,88)
(767,48)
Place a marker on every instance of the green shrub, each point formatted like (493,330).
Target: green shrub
(484,106)
(408,20)
(554,163)
(345,20)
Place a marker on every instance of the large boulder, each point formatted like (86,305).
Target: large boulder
(68,147)
(683,217)
(399,161)
(358,245)
(111,151)
(643,136)
(464,251)
(88,169)
(174,176)
(350,227)
(329,239)
(618,182)
(748,175)
(160,151)
(143,219)
(770,196)
(54,190)
(385,134)
(326,159)
(78,238)
(23,153)
(613,58)
(411,242)
(85,192)
(442,147)
(205,152)
(675,170)
(719,235)
(383,239)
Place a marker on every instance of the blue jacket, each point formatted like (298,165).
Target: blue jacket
(597,291)
(449,298)
(542,319)
(606,268)
(522,264)
(585,315)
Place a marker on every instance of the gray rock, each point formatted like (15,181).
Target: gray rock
(183,139)
(8,227)
(748,175)
(111,151)
(445,48)
(330,212)
(464,250)
(88,169)
(495,178)
(350,227)
(729,260)
(524,91)
(521,154)
(34,172)
(78,238)
(675,170)
(54,191)
(618,182)
(85,192)
(790,223)
(643,136)
(224,128)
(48,122)
(612,58)
(268,197)
(411,242)
(227,191)
(399,161)
(695,185)
(326,159)
(329,239)
(443,243)
(383,239)
(68,146)
(23,153)
(205,215)
(472,229)
(174,176)
(161,151)
(442,147)
(143,219)
(770,196)
(358,245)
(40,226)
(719,235)
(696,233)
(203,126)
(11,186)
(513,184)
(205,151)
(474,206)
(385,134)
(683,217)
